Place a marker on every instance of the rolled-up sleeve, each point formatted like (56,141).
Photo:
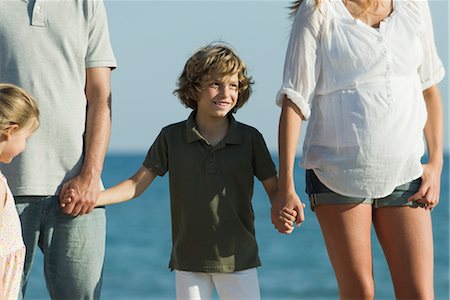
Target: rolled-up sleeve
(302,62)
(431,70)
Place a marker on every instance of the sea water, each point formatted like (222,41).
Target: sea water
(294,266)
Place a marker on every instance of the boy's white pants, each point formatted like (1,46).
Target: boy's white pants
(198,285)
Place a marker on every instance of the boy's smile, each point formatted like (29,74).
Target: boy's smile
(218,96)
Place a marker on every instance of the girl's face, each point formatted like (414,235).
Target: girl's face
(14,142)
(218,96)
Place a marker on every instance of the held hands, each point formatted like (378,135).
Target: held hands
(78,196)
(68,196)
(428,194)
(287,210)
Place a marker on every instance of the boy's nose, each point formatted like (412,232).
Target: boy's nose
(225,90)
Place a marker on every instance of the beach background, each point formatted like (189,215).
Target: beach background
(294,266)
(152,40)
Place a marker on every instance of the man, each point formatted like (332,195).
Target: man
(60,52)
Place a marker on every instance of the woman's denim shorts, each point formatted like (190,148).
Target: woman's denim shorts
(319,194)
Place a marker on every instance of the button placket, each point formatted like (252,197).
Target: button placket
(388,70)
(39,14)
(210,165)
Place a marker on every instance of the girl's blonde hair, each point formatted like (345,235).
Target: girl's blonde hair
(369,5)
(17,107)
(213,58)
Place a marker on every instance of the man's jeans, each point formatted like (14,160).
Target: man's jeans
(73,247)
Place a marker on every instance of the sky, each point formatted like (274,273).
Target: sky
(153,39)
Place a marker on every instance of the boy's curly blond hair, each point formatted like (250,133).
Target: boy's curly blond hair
(212,59)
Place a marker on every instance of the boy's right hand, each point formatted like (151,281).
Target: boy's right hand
(67,198)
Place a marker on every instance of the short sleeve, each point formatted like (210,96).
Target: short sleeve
(99,52)
(302,62)
(157,156)
(263,165)
(431,70)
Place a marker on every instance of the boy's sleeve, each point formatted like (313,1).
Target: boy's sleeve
(262,161)
(157,156)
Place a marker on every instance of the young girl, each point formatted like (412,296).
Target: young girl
(365,74)
(212,160)
(19,118)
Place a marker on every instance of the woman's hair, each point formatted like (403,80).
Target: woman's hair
(212,59)
(17,107)
(364,9)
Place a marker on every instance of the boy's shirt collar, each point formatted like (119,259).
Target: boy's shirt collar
(233,136)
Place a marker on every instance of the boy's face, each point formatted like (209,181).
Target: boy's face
(219,95)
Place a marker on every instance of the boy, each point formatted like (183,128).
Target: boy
(211,160)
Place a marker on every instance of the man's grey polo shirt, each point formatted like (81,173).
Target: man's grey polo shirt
(45,47)
(211,190)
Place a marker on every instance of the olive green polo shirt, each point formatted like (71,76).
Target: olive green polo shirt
(211,188)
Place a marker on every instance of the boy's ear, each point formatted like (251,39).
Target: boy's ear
(9,130)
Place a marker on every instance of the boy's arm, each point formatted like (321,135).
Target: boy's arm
(128,189)
(124,191)
(284,219)
(271,187)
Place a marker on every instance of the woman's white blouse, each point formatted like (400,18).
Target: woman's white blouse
(361,89)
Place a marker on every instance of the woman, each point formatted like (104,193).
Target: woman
(365,74)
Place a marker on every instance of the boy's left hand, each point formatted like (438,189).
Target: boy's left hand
(67,197)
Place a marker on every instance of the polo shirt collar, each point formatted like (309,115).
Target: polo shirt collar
(38,14)
(233,136)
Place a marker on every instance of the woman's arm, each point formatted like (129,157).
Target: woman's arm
(434,135)
(286,217)
(288,137)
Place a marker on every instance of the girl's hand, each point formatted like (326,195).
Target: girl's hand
(428,193)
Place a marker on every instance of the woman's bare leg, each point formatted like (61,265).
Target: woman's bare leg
(346,229)
(406,237)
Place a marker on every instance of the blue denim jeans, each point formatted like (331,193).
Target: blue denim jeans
(73,247)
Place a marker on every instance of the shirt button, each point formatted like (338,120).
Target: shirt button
(211,170)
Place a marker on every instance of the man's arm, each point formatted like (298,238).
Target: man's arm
(86,185)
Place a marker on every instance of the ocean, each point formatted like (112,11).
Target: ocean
(294,266)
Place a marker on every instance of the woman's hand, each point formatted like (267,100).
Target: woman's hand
(287,210)
(428,193)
